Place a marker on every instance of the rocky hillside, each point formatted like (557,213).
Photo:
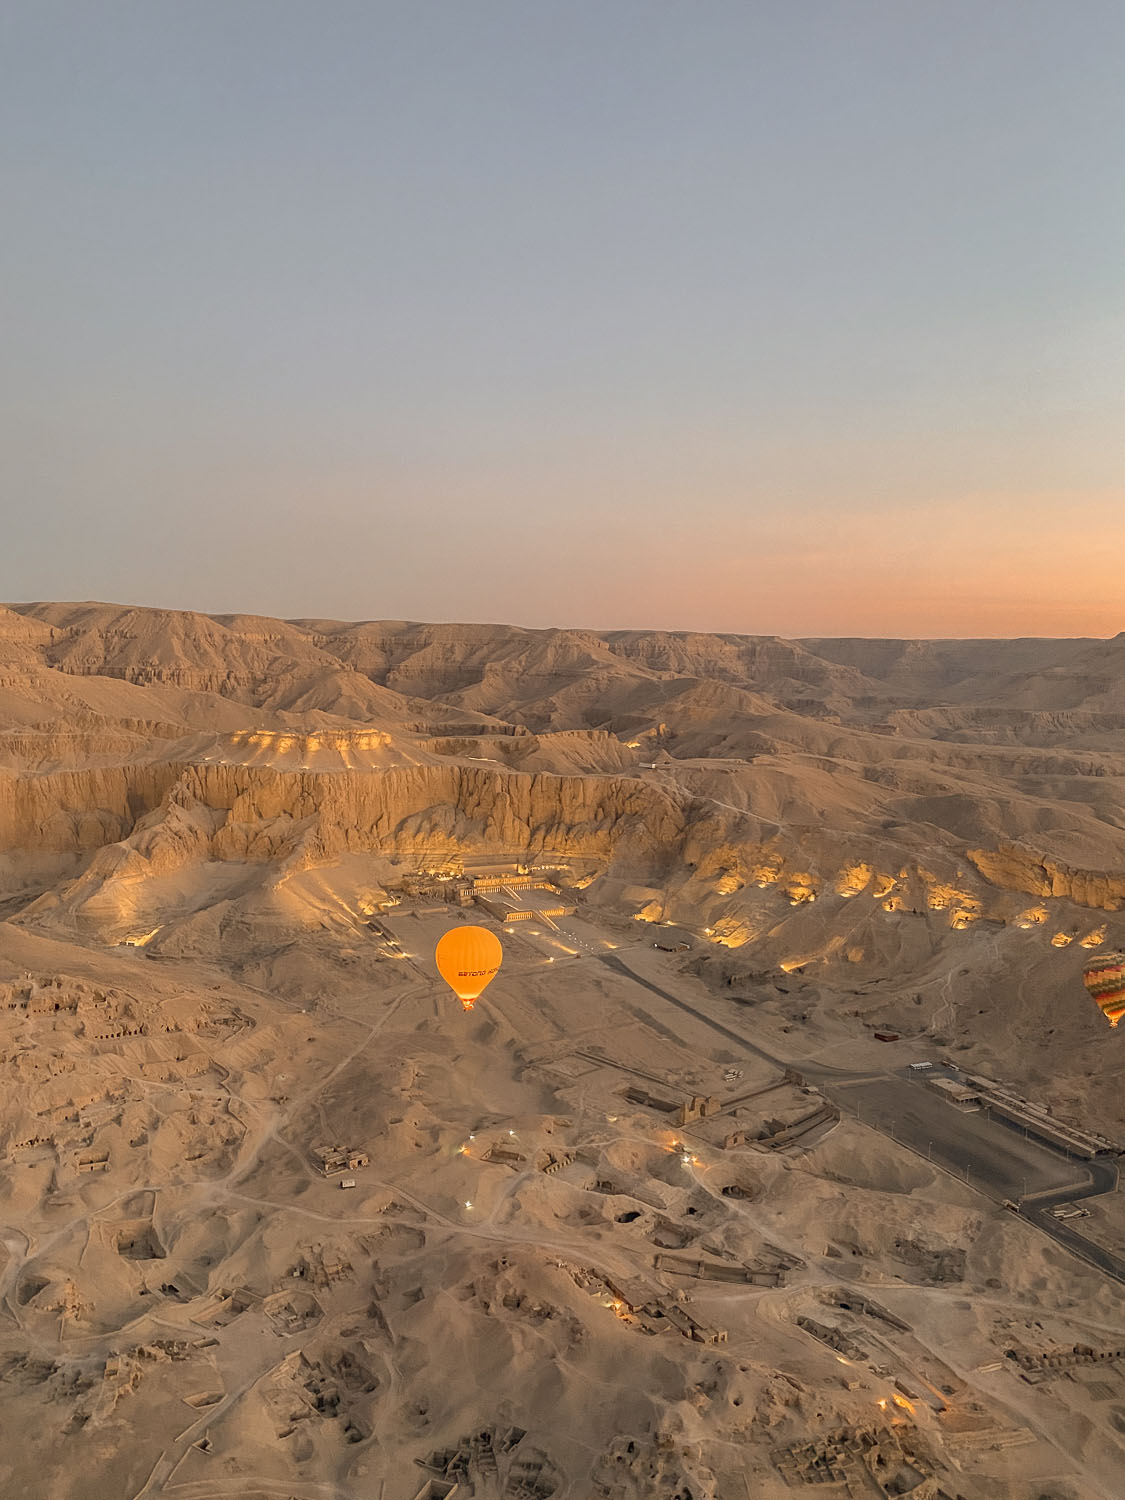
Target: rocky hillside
(1006,753)
(909,833)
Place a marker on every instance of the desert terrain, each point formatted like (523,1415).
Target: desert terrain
(670,1213)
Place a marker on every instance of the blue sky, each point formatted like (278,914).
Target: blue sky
(770,317)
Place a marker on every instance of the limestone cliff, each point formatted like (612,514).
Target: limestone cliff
(697,756)
(1014,867)
(399,810)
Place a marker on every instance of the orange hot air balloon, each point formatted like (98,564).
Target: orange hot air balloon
(467,959)
(1104,977)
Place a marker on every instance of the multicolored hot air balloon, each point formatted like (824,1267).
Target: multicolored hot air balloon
(467,959)
(1104,977)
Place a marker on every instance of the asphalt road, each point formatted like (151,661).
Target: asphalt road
(612,961)
(1078,1244)
(1001,1162)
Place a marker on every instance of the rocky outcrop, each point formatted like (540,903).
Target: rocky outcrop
(261,813)
(79,811)
(734,760)
(1014,867)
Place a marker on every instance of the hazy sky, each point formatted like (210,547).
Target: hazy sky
(792,316)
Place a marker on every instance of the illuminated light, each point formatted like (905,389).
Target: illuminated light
(1093,939)
(464,1150)
(511,1132)
(800,888)
(852,879)
(141,939)
(472,1137)
(882,1403)
(903,1403)
(1061,940)
(467,1203)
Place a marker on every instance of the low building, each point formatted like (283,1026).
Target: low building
(508,1155)
(957,1094)
(637,1295)
(636,1095)
(332,1160)
(673,940)
(691,1328)
(551,1163)
(698,1107)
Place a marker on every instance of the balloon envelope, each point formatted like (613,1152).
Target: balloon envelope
(1104,977)
(467,959)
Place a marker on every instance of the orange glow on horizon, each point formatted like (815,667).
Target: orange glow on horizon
(967,566)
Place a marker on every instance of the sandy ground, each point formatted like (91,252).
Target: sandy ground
(228,850)
(209,1314)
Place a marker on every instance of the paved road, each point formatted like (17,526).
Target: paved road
(1103,1178)
(613,961)
(1078,1244)
(1000,1161)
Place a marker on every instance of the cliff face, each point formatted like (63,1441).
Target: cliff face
(402,810)
(1015,868)
(146,822)
(78,811)
(449,807)
(670,753)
